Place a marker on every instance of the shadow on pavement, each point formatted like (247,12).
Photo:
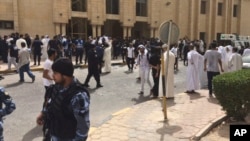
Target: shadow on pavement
(213,100)
(195,96)
(167,129)
(170,102)
(33,133)
(13,85)
(104,73)
(128,72)
(141,98)
(91,90)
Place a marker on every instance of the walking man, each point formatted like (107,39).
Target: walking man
(130,57)
(47,70)
(143,62)
(211,60)
(93,67)
(24,63)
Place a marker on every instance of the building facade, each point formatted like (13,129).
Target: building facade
(196,19)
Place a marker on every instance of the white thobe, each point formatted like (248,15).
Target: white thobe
(235,62)
(45,42)
(224,58)
(193,69)
(229,54)
(107,59)
(169,80)
(144,69)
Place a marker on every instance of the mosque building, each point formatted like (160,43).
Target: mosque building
(196,19)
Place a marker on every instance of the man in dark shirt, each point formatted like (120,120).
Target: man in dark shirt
(87,47)
(100,52)
(4,49)
(27,39)
(37,48)
(55,43)
(185,52)
(13,55)
(155,63)
(93,67)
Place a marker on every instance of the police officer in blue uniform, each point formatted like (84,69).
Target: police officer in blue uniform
(79,43)
(93,67)
(10,106)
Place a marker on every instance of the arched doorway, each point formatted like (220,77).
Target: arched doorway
(141,30)
(112,28)
(78,27)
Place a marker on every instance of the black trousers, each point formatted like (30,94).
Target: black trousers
(38,57)
(86,56)
(79,54)
(93,72)
(210,76)
(185,61)
(130,63)
(155,88)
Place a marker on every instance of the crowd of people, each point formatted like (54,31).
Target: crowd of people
(63,90)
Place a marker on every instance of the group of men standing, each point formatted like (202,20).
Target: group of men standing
(202,65)
(216,60)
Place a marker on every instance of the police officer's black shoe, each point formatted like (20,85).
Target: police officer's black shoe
(141,92)
(99,86)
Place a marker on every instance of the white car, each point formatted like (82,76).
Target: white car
(246,62)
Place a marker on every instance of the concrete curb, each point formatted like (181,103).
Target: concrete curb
(208,127)
(121,111)
(93,129)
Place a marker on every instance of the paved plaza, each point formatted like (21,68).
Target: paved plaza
(189,116)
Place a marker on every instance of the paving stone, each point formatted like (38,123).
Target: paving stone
(187,115)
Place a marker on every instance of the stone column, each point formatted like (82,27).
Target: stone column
(57,25)
(63,28)
(156,33)
(209,22)
(152,30)
(129,31)
(226,13)
(94,30)
(99,30)
(15,13)
(125,32)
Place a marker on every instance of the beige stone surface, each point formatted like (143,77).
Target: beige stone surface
(48,16)
(187,115)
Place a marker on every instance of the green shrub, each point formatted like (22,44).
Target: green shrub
(233,92)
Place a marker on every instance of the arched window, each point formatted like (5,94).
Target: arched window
(112,6)
(79,5)
(141,8)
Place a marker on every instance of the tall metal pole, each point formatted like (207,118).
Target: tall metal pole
(164,101)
